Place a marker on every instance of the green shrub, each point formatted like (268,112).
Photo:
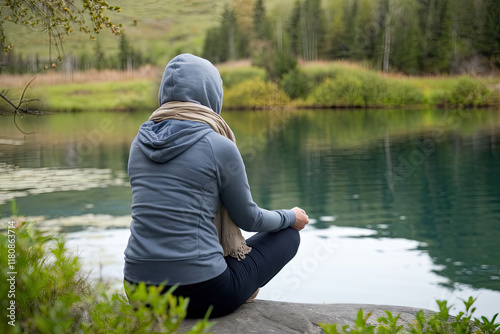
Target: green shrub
(468,92)
(51,296)
(352,87)
(295,84)
(333,84)
(439,98)
(440,322)
(402,93)
(146,310)
(373,88)
(303,80)
(465,92)
(282,63)
(235,75)
(47,282)
(255,93)
(316,74)
(344,86)
(345,91)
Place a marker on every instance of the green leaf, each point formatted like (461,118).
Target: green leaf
(329,328)
(14,210)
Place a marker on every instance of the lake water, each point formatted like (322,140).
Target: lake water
(404,204)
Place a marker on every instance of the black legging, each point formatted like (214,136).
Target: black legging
(271,251)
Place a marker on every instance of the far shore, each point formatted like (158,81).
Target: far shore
(317,85)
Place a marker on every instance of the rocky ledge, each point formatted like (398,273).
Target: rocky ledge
(264,316)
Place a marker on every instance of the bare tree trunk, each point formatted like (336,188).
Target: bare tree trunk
(232,47)
(387,44)
(129,66)
(279,35)
(68,68)
(305,46)
(314,45)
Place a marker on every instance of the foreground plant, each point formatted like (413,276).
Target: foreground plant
(144,313)
(47,293)
(440,322)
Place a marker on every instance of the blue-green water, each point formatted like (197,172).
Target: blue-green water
(405,204)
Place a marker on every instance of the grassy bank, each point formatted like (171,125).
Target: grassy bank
(343,84)
(310,85)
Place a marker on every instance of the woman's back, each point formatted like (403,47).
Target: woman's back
(175,196)
(183,166)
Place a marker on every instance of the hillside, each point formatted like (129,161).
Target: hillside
(450,37)
(160,29)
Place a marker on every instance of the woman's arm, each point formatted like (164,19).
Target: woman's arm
(237,198)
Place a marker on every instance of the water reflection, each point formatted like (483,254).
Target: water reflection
(22,182)
(429,178)
(344,265)
(439,185)
(333,265)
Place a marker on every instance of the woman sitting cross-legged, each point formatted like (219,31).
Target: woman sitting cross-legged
(190,197)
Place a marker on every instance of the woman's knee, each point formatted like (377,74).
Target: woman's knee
(290,238)
(294,238)
(290,242)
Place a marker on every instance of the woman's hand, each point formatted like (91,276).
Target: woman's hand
(301,219)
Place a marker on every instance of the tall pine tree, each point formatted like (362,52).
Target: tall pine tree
(294,30)
(405,37)
(306,29)
(435,24)
(260,21)
(489,44)
(225,42)
(346,47)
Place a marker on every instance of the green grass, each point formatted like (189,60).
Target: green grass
(124,95)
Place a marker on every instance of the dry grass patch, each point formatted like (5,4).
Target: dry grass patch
(51,77)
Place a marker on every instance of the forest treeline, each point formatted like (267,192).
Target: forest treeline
(128,58)
(409,36)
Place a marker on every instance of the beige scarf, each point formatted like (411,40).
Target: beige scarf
(230,236)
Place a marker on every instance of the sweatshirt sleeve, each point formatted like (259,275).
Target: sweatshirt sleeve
(236,196)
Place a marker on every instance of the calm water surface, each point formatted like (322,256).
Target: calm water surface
(405,205)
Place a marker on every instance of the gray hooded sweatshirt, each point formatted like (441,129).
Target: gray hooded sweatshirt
(181,172)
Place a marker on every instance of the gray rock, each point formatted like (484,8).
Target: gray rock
(264,316)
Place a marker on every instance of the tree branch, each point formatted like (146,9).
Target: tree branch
(17,126)
(8,101)
(19,109)
(21,100)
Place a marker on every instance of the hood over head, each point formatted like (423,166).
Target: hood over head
(190,78)
(163,141)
